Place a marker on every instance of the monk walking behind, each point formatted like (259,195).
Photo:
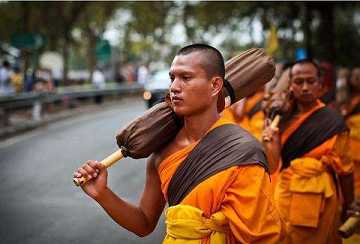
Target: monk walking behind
(213,175)
(315,178)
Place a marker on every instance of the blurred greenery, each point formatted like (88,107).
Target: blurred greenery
(152,31)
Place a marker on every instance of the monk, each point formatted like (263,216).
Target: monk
(248,113)
(213,174)
(315,171)
(351,111)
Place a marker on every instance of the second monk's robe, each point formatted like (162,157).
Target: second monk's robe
(306,192)
(237,200)
(353,122)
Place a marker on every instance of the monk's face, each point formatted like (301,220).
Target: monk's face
(355,78)
(305,83)
(191,89)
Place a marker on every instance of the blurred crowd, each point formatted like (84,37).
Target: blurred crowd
(14,81)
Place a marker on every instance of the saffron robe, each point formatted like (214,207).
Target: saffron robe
(241,193)
(305,192)
(353,122)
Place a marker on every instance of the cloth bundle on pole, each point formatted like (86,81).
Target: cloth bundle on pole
(149,132)
(245,73)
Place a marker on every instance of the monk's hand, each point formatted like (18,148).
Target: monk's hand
(96,174)
(271,143)
(354,209)
(269,134)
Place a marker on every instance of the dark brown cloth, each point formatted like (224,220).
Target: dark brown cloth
(314,131)
(249,71)
(223,147)
(150,132)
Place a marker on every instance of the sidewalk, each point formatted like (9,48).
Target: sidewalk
(22,122)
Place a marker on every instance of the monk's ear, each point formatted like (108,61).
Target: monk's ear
(216,85)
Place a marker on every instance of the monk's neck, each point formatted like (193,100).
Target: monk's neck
(306,107)
(196,126)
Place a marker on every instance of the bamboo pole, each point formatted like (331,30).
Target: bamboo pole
(274,124)
(349,227)
(107,162)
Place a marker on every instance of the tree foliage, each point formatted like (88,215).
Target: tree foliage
(328,30)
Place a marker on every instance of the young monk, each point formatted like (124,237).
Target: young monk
(213,174)
(312,147)
(351,111)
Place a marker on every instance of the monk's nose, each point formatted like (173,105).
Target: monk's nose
(175,86)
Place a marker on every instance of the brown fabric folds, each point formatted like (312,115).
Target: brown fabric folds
(314,131)
(150,132)
(248,71)
(223,147)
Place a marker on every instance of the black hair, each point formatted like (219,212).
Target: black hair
(306,61)
(212,61)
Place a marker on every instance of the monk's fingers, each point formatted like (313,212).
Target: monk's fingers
(84,173)
(95,166)
(267,133)
(275,131)
(77,174)
(90,170)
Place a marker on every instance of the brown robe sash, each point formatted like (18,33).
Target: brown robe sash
(320,126)
(223,147)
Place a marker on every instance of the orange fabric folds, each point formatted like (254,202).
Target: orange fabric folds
(240,193)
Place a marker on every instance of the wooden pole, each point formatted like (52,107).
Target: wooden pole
(107,162)
(274,124)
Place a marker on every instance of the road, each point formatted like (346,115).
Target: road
(40,204)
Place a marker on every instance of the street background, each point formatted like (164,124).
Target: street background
(39,202)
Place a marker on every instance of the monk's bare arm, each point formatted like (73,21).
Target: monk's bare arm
(272,146)
(141,219)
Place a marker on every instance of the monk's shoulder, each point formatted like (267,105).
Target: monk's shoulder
(172,147)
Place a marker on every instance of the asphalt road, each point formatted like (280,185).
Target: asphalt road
(40,204)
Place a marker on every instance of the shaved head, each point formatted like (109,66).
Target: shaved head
(211,59)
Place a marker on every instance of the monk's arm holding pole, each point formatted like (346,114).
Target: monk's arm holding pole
(141,219)
(271,143)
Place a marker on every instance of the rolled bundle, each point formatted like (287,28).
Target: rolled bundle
(247,72)
(149,132)
(283,82)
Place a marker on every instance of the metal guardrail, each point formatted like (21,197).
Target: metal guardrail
(35,100)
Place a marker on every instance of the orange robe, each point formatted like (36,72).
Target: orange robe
(246,122)
(353,122)
(305,192)
(241,193)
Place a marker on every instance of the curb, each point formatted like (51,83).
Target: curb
(22,127)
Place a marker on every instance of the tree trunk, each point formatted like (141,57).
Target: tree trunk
(307,29)
(326,32)
(91,53)
(65,60)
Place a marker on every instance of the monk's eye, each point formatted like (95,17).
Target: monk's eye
(311,81)
(186,77)
(298,81)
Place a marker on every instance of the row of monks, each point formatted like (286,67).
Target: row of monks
(318,155)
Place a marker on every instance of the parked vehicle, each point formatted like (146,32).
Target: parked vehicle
(157,87)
